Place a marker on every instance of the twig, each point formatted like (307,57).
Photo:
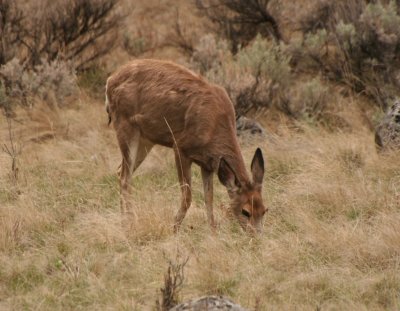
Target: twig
(13,150)
(173,281)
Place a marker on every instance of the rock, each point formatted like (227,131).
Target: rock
(387,134)
(248,126)
(209,303)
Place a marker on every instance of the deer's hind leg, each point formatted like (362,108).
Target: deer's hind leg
(129,141)
(183,165)
(134,150)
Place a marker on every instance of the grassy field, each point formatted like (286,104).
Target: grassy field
(331,238)
(330,241)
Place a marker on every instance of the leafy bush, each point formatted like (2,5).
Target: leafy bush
(311,101)
(236,81)
(48,80)
(256,78)
(55,76)
(210,53)
(93,79)
(265,59)
(359,50)
(326,14)
(4,100)
(135,45)
(14,79)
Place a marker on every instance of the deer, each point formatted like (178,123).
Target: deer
(155,102)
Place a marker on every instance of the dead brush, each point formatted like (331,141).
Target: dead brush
(13,150)
(173,281)
(240,21)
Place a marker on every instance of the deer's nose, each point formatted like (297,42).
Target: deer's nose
(252,229)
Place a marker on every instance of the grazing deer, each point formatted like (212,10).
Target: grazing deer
(158,102)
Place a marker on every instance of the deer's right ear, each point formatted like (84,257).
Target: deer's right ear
(257,167)
(227,176)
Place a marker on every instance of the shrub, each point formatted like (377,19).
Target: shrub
(360,53)
(210,53)
(182,36)
(239,21)
(256,78)
(93,79)
(11,29)
(325,14)
(49,80)
(56,76)
(266,59)
(311,101)
(135,45)
(73,30)
(311,52)
(269,65)
(316,42)
(57,39)
(236,81)
(13,79)
(140,37)
(4,100)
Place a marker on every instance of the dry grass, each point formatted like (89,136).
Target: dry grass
(331,238)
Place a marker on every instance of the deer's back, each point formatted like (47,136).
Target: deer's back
(170,103)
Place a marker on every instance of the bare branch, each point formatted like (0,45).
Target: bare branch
(179,39)
(11,29)
(173,281)
(80,31)
(13,150)
(240,20)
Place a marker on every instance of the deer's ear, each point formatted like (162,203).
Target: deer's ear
(257,167)
(227,176)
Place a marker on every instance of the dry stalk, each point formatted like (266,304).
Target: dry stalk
(13,150)
(173,281)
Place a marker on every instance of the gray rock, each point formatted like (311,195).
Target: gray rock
(208,303)
(245,125)
(387,134)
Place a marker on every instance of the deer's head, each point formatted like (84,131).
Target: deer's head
(246,200)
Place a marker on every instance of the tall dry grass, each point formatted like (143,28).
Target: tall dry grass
(331,238)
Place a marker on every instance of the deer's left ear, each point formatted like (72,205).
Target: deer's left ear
(227,176)
(257,167)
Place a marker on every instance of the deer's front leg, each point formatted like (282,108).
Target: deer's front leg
(183,165)
(207,177)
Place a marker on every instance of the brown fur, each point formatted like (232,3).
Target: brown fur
(159,102)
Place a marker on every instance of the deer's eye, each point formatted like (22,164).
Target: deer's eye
(246,213)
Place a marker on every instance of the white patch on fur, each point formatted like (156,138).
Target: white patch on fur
(134,148)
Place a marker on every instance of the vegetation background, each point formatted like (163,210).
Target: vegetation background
(317,74)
